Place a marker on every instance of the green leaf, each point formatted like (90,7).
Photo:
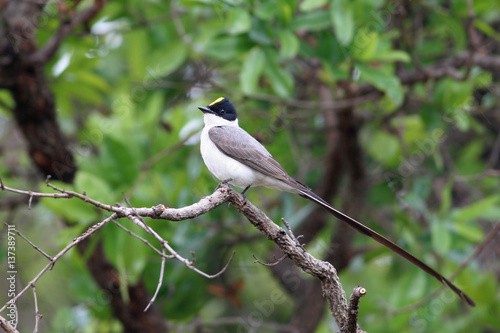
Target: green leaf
(73,210)
(446,197)
(228,47)
(485,208)
(126,253)
(94,80)
(486,29)
(267,10)
(365,44)
(251,71)
(136,48)
(391,56)
(440,236)
(119,164)
(238,21)
(471,232)
(342,17)
(384,148)
(166,60)
(383,81)
(309,5)
(94,186)
(289,44)
(281,81)
(313,21)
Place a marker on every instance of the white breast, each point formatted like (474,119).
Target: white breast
(224,167)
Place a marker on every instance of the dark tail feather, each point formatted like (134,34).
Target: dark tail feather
(387,243)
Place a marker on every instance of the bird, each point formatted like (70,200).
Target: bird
(235,157)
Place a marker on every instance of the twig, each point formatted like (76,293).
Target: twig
(30,243)
(145,241)
(67,25)
(4,323)
(290,232)
(269,264)
(38,315)
(77,240)
(352,322)
(166,246)
(71,194)
(160,281)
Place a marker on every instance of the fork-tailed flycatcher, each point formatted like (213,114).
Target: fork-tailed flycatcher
(234,156)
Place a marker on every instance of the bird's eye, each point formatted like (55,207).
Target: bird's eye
(222,111)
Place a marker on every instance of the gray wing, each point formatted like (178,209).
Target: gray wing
(238,144)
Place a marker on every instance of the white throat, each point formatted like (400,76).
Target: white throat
(213,120)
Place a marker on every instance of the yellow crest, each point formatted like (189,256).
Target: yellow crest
(216,101)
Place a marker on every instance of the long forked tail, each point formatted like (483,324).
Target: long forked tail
(387,243)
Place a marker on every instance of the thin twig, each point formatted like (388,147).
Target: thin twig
(269,264)
(160,281)
(38,315)
(30,243)
(77,240)
(71,194)
(145,241)
(290,232)
(67,25)
(166,245)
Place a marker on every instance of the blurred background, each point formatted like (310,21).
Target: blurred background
(387,109)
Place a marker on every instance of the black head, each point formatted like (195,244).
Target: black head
(221,107)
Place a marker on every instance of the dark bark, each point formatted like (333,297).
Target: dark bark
(34,109)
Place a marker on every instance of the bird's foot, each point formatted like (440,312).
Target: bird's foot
(246,189)
(223,182)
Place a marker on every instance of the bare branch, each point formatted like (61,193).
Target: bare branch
(30,243)
(269,264)
(160,281)
(158,212)
(38,315)
(67,25)
(7,326)
(324,271)
(352,323)
(145,241)
(189,264)
(77,240)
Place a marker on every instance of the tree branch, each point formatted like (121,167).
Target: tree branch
(7,326)
(352,323)
(324,271)
(67,25)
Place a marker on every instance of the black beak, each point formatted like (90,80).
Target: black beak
(204,109)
